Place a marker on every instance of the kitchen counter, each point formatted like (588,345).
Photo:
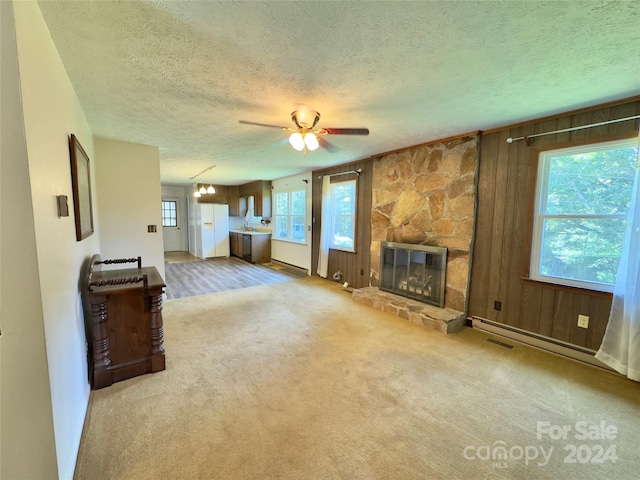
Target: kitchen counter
(251,245)
(250,232)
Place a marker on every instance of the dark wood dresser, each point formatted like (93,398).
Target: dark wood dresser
(124,324)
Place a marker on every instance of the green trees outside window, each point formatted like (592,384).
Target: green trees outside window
(582,202)
(343,214)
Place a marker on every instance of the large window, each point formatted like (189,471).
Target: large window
(582,200)
(169,213)
(343,215)
(290,216)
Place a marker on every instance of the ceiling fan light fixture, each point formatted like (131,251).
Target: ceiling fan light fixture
(311,141)
(297,141)
(211,189)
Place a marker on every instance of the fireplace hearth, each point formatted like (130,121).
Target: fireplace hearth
(414,271)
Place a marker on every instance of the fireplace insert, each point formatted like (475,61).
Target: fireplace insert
(414,271)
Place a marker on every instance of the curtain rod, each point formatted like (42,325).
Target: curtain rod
(528,138)
(357,172)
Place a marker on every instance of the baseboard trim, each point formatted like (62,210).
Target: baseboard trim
(552,345)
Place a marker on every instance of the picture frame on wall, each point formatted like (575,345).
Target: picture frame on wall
(81,182)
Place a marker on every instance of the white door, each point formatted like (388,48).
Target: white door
(171,222)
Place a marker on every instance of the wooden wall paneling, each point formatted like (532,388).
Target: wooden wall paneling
(547,304)
(496,242)
(600,309)
(316,210)
(502,243)
(578,120)
(516,226)
(623,111)
(562,313)
(350,264)
(600,115)
(479,296)
(530,308)
(363,225)
(561,124)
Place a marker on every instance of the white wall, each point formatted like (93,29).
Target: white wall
(129,199)
(51,113)
(27,443)
(289,252)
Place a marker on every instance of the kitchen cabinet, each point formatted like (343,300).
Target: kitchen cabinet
(262,200)
(233,199)
(260,190)
(221,195)
(254,247)
(236,244)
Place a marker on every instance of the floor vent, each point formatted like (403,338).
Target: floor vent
(505,345)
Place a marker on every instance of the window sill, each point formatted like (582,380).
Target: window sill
(346,250)
(286,240)
(556,286)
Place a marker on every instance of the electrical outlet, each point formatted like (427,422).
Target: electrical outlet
(497,305)
(583,321)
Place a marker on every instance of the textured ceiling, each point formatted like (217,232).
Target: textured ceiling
(180,74)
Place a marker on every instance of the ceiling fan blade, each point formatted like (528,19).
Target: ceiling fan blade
(345,131)
(262,124)
(327,145)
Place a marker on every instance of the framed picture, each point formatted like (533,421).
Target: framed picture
(81,180)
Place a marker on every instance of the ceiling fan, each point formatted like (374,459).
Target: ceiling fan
(305,136)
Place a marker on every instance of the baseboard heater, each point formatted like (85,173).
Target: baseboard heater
(294,268)
(538,341)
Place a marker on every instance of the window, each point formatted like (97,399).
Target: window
(169,213)
(343,215)
(582,200)
(290,216)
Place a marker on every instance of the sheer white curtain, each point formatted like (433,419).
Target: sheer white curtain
(325,228)
(620,347)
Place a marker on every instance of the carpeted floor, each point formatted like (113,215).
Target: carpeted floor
(294,380)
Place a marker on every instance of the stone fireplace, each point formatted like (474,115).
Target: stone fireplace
(425,195)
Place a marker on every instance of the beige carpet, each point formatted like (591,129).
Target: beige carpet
(296,381)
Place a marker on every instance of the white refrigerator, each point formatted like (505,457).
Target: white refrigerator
(212,230)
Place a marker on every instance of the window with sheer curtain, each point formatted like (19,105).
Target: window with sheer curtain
(620,347)
(343,215)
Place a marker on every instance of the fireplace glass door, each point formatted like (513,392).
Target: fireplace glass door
(413,271)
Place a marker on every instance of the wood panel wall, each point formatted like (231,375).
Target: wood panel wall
(500,264)
(354,266)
